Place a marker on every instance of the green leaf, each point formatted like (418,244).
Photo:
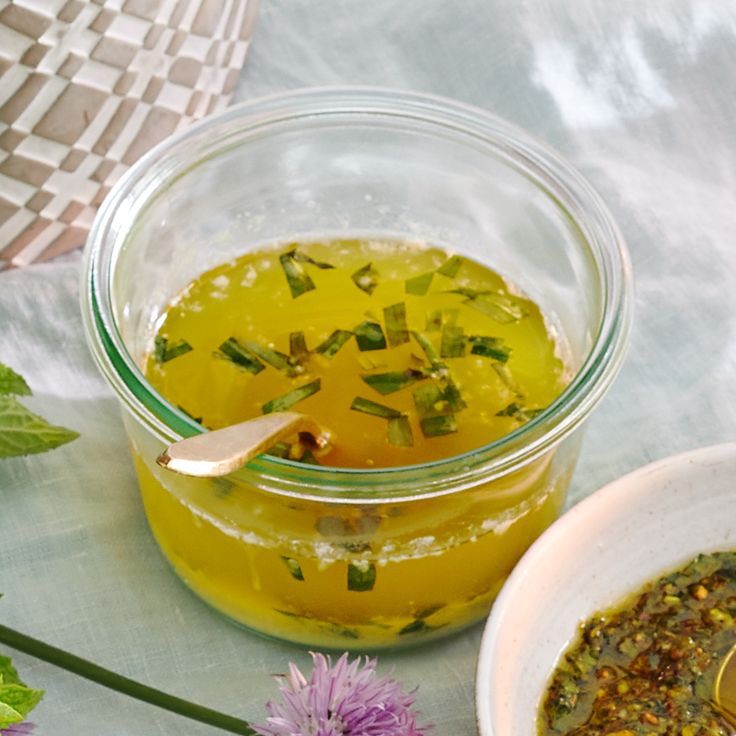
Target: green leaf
(164,352)
(234,352)
(369,336)
(293,567)
(451,266)
(17,700)
(366,406)
(12,383)
(399,432)
(287,400)
(397,331)
(419,285)
(366,278)
(361,577)
(453,342)
(490,347)
(438,425)
(25,433)
(333,343)
(387,383)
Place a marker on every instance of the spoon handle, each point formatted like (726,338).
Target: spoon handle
(221,451)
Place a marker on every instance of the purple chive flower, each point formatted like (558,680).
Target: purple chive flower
(344,700)
(17,729)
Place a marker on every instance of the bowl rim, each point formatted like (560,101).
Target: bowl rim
(639,482)
(573,194)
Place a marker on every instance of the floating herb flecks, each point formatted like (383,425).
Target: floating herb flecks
(164,351)
(451,266)
(274,358)
(366,406)
(298,347)
(236,353)
(366,278)
(361,576)
(388,383)
(298,279)
(293,567)
(287,400)
(490,347)
(453,342)
(397,330)
(333,343)
(419,285)
(438,425)
(503,308)
(369,336)
(399,432)
(519,412)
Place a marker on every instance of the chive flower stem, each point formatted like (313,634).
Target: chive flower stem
(119,683)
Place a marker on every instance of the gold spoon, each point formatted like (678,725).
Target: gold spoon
(221,451)
(724,688)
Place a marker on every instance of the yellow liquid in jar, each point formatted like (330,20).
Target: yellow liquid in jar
(453,357)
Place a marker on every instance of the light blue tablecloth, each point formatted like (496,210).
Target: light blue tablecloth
(640,96)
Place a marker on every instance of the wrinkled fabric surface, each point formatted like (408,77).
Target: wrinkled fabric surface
(638,96)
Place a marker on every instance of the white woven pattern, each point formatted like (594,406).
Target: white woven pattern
(89,86)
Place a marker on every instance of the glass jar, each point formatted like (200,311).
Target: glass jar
(340,557)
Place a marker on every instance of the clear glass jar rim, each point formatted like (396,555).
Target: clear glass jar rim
(215,133)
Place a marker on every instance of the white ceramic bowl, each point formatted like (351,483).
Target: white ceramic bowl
(643,525)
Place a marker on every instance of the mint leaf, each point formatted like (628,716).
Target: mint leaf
(24,433)
(12,383)
(16,699)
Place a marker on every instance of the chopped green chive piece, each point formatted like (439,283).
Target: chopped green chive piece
(293,567)
(419,285)
(502,308)
(297,278)
(396,328)
(519,412)
(297,346)
(426,345)
(453,342)
(434,321)
(309,458)
(236,353)
(164,352)
(439,425)
(366,278)
(429,400)
(451,394)
(366,406)
(369,336)
(280,449)
(333,343)
(361,576)
(279,361)
(282,403)
(490,347)
(303,258)
(387,383)
(451,266)
(415,627)
(399,432)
